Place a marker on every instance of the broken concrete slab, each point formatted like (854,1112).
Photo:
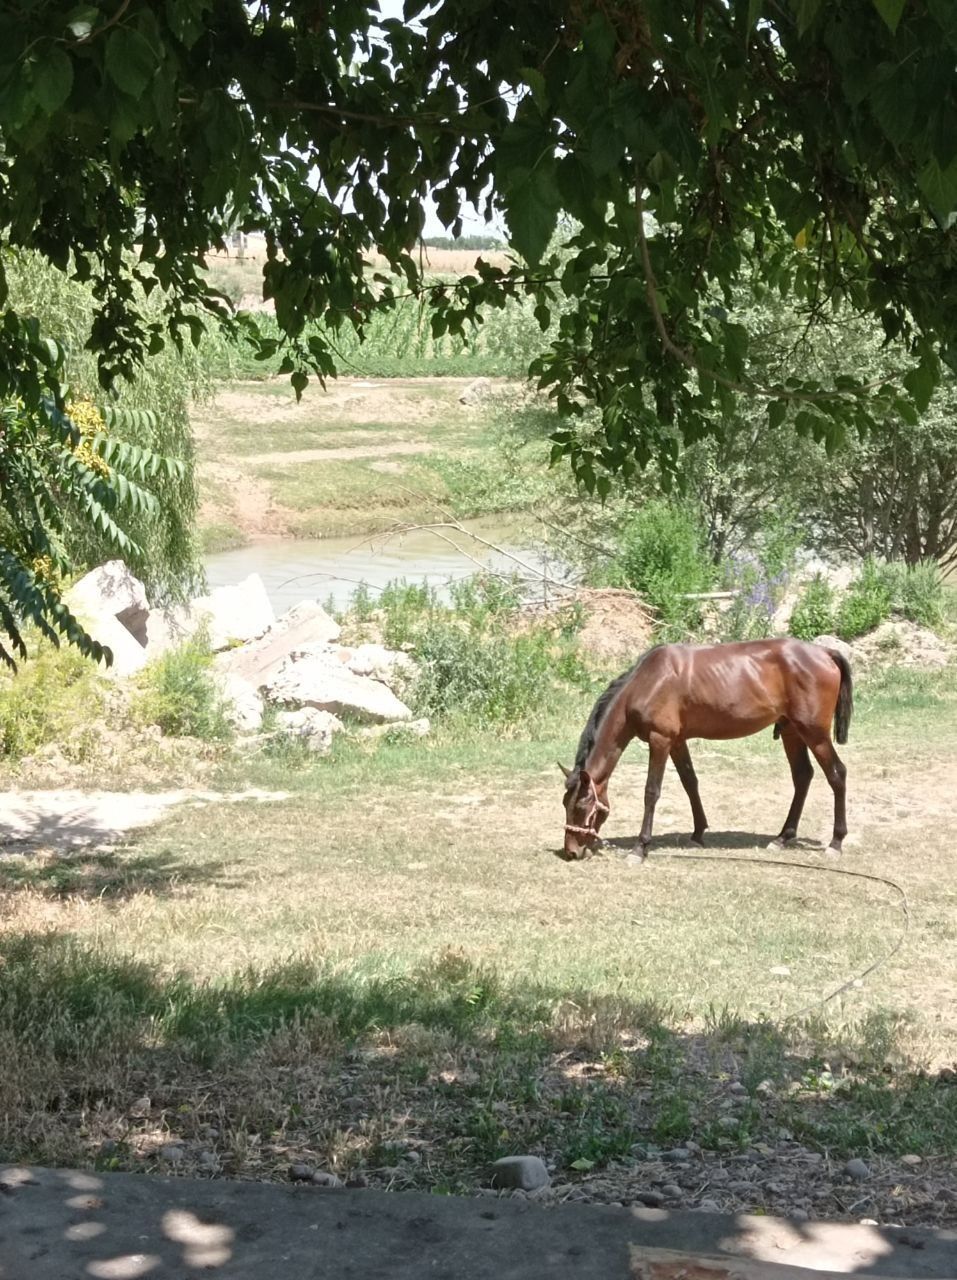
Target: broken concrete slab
(229,617)
(56,1224)
(111,590)
(319,680)
(244,706)
(389,666)
(306,624)
(111,603)
(315,729)
(235,614)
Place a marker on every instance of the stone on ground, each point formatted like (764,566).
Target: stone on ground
(832,642)
(310,726)
(476,391)
(111,603)
(113,591)
(519,1173)
(234,614)
(244,706)
(320,681)
(389,666)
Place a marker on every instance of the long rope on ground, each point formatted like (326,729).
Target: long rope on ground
(832,871)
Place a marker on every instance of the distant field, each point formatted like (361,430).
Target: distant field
(357,458)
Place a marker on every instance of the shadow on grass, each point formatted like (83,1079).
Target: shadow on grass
(714,842)
(102,874)
(473,1066)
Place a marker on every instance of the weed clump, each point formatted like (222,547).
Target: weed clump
(179,692)
(56,690)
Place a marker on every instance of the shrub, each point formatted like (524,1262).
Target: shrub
(662,555)
(866,603)
(179,693)
(488,674)
(56,693)
(813,615)
(918,593)
(479,659)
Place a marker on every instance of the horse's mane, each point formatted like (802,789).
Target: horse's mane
(598,712)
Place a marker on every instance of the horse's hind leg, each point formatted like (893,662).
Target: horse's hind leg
(835,771)
(659,748)
(802,771)
(689,780)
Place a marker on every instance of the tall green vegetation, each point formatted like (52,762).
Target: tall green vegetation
(155,417)
(879,591)
(480,662)
(179,693)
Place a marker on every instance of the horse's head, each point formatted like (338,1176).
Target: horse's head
(586,808)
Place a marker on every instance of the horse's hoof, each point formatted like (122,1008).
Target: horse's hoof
(834,849)
(698,839)
(781,842)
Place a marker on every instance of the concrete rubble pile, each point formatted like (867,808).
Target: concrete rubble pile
(292,664)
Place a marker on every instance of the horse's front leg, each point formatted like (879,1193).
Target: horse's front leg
(659,748)
(681,757)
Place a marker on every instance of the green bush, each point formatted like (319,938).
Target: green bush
(917,592)
(179,693)
(914,592)
(813,615)
(56,693)
(662,555)
(866,603)
(489,675)
(479,658)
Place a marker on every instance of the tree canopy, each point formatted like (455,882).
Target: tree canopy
(697,146)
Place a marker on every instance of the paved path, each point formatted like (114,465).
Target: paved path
(60,1225)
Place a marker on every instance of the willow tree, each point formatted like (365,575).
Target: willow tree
(696,144)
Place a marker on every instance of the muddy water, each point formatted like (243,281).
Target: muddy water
(296,569)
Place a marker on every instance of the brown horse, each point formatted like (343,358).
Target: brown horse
(678,691)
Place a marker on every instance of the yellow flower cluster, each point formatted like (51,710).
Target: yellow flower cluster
(44,569)
(87,418)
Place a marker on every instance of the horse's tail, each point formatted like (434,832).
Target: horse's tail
(845,697)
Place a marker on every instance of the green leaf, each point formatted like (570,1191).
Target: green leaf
(890,11)
(52,80)
(130,60)
(536,82)
(807,11)
(777,412)
(921,382)
(582,1164)
(939,185)
(531,213)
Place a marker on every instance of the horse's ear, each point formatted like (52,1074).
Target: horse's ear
(566,772)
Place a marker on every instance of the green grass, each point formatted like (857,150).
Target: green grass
(392,958)
(222,537)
